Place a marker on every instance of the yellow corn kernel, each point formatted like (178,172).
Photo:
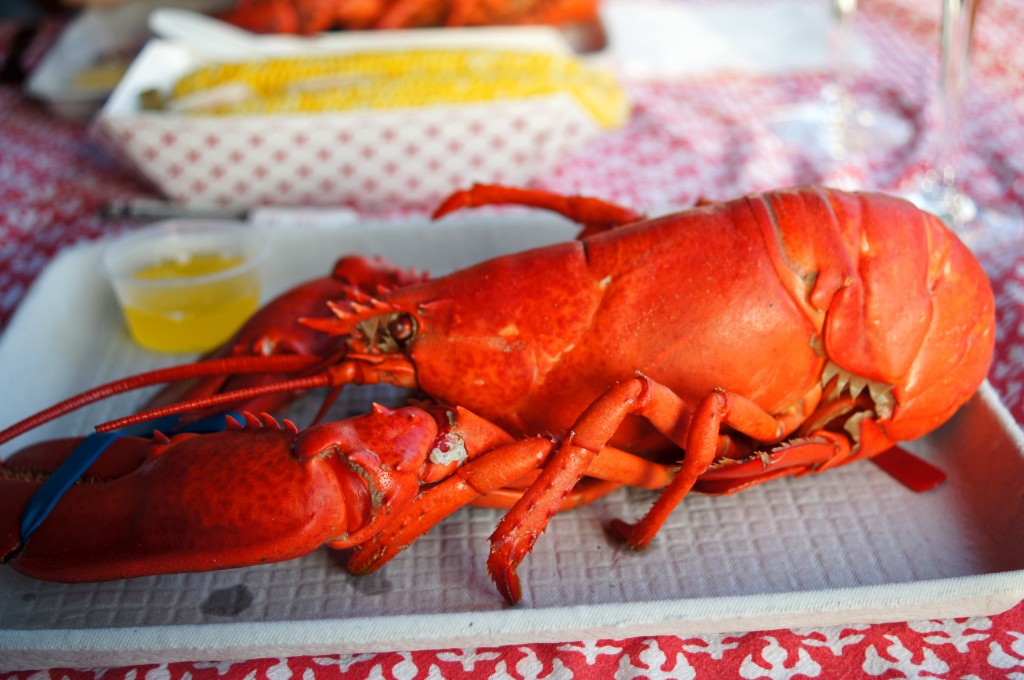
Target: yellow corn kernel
(271,74)
(378,80)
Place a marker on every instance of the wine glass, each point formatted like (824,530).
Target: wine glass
(938,191)
(837,126)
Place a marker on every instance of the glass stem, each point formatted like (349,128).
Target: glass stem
(841,38)
(840,108)
(955,49)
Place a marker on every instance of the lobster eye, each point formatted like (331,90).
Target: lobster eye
(402,327)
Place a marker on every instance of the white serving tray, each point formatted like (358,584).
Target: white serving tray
(849,546)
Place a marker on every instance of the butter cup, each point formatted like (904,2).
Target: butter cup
(178,310)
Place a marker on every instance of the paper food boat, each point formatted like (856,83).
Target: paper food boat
(364,158)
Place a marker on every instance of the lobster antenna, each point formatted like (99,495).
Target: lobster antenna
(289,363)
(326,404)
(593,213)
(313,381)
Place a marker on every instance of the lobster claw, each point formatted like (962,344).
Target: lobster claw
(24,473)
(257,492)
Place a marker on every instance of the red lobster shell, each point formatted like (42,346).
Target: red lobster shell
(778,334)
(314,16)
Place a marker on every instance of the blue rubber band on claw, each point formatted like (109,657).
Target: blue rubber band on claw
(62,479)
(85,454)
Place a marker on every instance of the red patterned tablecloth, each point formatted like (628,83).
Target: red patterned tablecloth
(700,136)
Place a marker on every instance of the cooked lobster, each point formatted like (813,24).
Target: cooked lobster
(778,334)
(314,16)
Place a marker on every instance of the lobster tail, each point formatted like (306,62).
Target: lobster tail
(957,347)
(919,315)
(904,308)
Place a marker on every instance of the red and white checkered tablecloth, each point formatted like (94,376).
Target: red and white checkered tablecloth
(697,137)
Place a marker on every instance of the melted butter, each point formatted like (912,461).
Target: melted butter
(191,318)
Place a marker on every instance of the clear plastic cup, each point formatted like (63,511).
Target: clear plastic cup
(187,285)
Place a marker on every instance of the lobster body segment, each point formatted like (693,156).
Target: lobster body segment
(543,331)
(725,346)
(768,296)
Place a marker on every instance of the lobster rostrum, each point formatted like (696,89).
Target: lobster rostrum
(778,334)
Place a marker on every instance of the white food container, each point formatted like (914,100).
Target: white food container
(363,158)
(96,35)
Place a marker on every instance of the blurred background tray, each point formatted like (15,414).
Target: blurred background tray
(80,70)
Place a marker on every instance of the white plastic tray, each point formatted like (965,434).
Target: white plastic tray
(849,546)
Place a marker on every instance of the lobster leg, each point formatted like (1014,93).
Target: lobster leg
(594,214)
(812,454)
(584,493)
(498,467)
(696,431)
(490,473)
(609,470)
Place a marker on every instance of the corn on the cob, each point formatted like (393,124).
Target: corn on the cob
(377,80)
